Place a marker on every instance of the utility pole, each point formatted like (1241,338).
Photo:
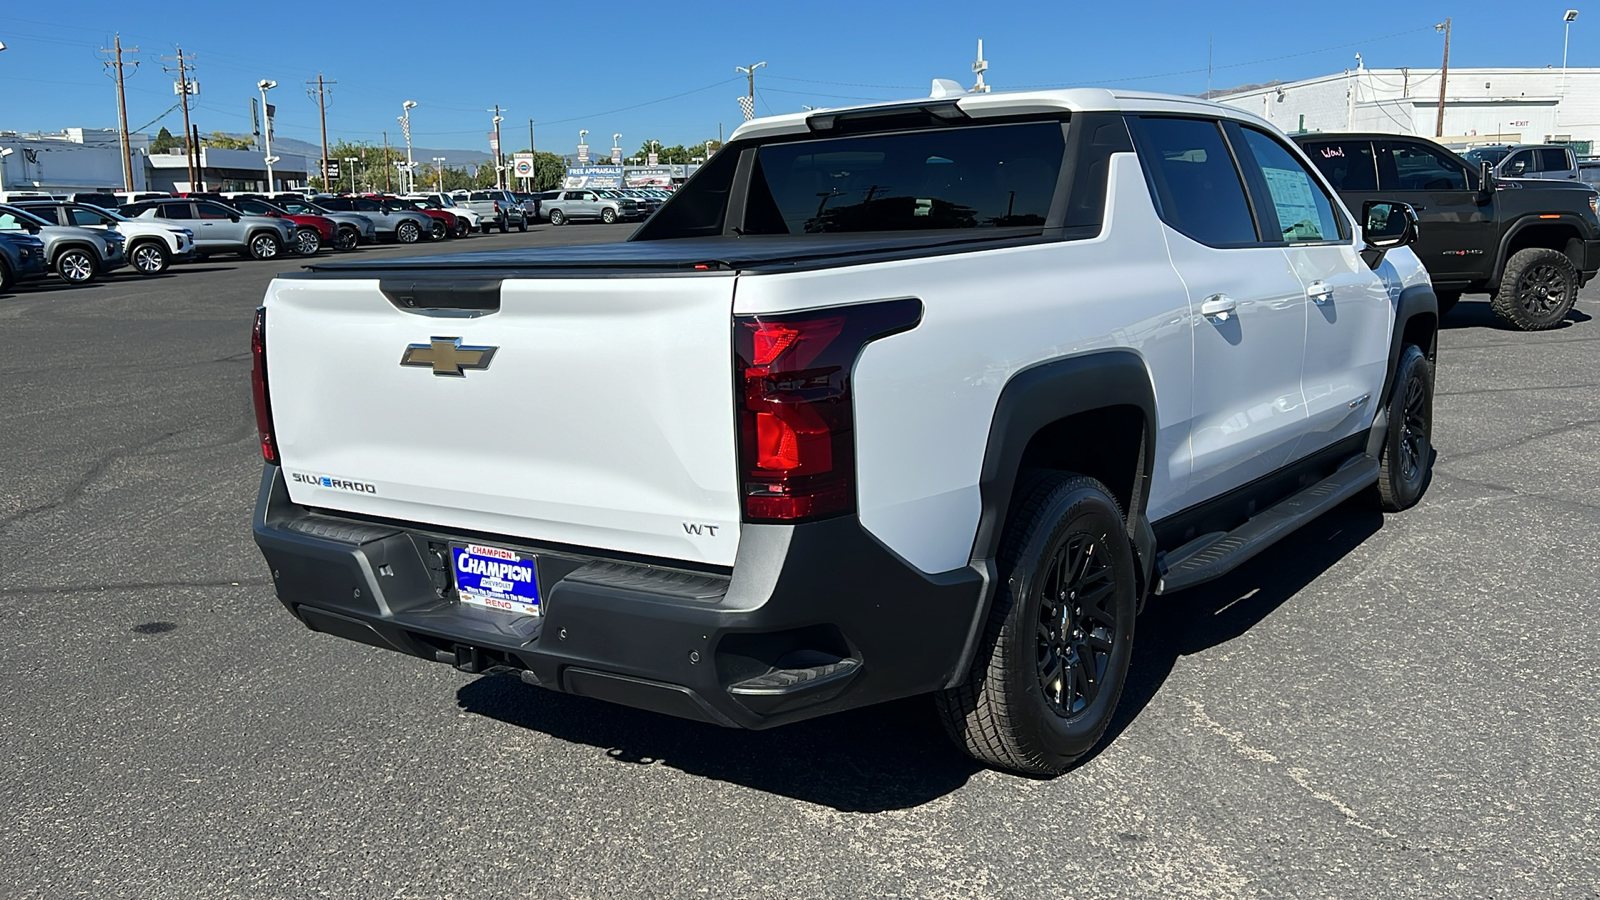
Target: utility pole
(532,147)
(122,113)
(982,66)
(1444,74)
(191,151)
(748,104)
(199,163)
(387,163)
(321,95)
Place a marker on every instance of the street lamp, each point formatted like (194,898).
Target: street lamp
(266,85)
(405,128)
(1568,18)
(583,136)
(352,160)
(438,169)
(616,148)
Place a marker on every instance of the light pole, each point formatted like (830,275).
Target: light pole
(266,85)
(499,163)
(1571,14)
(405,128)
(438,170)
(655,151)
(616,149)
(708,150)
(583,150)
(352,160)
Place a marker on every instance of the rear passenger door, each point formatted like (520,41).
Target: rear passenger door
(183,211)
(1247,307)
(1348,319)
(1453,213)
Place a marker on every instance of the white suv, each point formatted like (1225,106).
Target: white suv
(152,246)
(900,399)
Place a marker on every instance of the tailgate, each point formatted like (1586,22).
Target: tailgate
(604,418)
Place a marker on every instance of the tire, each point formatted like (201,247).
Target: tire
(1406,460)
(149,257)
(76,265)
(307,242)
(608,216)
(1447,301)
(505,226)
(1537,289)
(1010,713)
(439,231)
(462,228)
(557,218)
(264,246)
(522,224)
(485,227)
(408,232)
(7,281)
(346,239)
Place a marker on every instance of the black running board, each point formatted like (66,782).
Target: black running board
(1214,555)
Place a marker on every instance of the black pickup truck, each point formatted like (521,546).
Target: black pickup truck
(1531,244)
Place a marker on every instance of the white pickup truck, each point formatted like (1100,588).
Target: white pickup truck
(890,400)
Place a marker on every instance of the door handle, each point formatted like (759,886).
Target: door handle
(1319,292)
(1218,306)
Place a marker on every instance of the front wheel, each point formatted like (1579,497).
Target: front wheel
(149,258)
(1055,652)
(307,242)
(408,232)
(522,224)
(440,230)
(558,218)
(346,239)
(505,226)
(608,216)
(1407,454)
(75,266)
(264,246)
(462,228)
(1537,289)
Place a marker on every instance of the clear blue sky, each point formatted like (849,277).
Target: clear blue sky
(582,67)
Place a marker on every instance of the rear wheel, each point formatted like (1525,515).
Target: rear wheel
(7,280)
(505,226)
(1537,289)
(1055,653)
(462,228)
(264,246)
(75,266)
(557,217)
(440,230)
(346,238)
(485,227)
(608,216)
(307,241)
(522,223)
(149,258)
(408,232)
(1407,454)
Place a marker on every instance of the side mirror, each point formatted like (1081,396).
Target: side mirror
(32,228)
(1385,225)
(233,218)
(1486,177)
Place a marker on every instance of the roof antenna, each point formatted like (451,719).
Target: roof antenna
(978,68)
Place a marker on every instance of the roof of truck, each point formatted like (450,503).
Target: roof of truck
(1009,103)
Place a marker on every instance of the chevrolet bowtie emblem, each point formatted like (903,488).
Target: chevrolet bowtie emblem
(447,356)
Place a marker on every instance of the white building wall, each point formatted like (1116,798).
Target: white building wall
(74,160)
(1481,105)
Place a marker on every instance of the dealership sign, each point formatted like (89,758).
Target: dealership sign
(593,177)
(522,165)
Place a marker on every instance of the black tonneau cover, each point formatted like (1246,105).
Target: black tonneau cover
(689,254)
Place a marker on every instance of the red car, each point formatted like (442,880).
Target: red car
(445,223)
(310,232)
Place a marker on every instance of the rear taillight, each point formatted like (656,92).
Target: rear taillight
(792,374)
(258,387)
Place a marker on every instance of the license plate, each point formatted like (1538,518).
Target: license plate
(496,578)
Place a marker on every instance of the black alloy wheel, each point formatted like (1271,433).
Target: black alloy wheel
(1077,623)
(1046,679)
(1537,289)
(346,238)
(440,230)
(7,280)
(1406,459)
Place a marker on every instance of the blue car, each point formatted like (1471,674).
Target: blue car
(21,259)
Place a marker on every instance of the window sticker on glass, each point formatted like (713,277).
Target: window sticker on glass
(1296,204)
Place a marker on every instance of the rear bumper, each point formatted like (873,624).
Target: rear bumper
(813,619)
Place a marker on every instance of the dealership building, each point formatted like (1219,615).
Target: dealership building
(90,159)
(1481,106)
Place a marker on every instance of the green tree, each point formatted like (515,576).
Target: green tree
(164,141)
(222,141)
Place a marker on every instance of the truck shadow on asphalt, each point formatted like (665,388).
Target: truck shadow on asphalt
(1475,312)
(896,755)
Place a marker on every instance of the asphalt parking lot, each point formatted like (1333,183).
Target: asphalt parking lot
(1379,707)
